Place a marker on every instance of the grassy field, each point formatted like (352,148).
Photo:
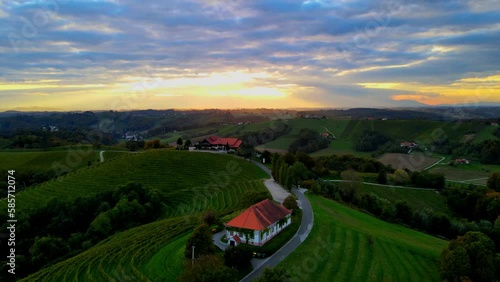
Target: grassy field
(412,162)
(153,251)
(473,173)
(339,249)
(417,199)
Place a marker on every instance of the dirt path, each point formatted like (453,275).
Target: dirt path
(384,185)
(101,156)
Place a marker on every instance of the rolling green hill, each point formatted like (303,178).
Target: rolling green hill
(348,131)
(191,181)
(348,245)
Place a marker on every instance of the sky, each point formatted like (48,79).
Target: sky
(121,55)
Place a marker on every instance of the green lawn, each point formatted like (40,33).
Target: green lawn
(338,249)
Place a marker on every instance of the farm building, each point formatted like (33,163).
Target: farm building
(409,144)
(219,143)
(462,161)
(258,224)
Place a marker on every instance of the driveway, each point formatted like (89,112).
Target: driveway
(217,241)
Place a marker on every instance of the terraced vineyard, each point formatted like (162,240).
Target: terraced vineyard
(125,256)
(184,176)
(192,182)
(348,245)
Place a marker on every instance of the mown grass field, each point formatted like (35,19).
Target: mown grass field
(192,182)
(338,249)
(417,199)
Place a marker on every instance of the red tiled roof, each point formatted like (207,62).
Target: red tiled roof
(232,142)
(259,216)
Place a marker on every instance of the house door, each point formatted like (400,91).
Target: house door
(231,243)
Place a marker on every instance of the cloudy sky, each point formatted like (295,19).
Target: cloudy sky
(91,55)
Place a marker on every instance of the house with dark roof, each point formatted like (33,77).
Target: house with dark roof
(258,224)
(220,143)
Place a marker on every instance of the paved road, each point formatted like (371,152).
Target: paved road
(216,238)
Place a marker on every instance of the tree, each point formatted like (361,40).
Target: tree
(132,145)
(238,257)
(209,217)
(401,177)
(454,264)
(298,172)
(276,274)
(101,225)
(179,142)
(304,158)
(187,143)
(46,249)
(316,188)
(252,197)
(201,239)
(246,150)
(471,255)
(266,157)
(208,268)
(494,181)
(290,203)
(382,177)
(403,212)
(351,180)
(289,158)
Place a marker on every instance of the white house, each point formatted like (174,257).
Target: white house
(258,224)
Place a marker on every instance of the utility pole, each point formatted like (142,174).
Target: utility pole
(192,256)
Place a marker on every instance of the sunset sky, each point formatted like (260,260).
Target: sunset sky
(97,55)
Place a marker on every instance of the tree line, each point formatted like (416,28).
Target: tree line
(308,141)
